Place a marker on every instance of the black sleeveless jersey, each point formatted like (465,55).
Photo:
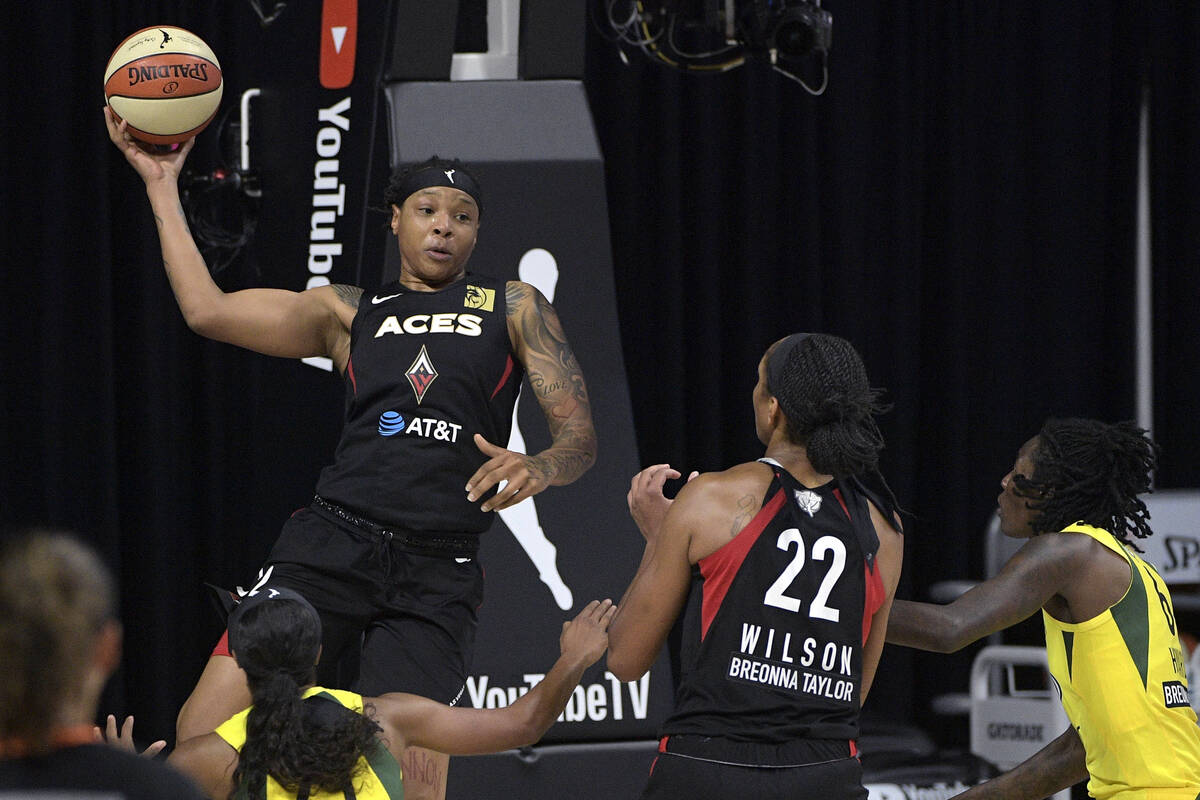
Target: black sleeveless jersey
(427,371)
(776,620)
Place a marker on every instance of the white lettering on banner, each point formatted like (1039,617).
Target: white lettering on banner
(328,203)
(594,702)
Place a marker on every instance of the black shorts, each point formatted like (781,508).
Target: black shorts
(409,616)
(693,767)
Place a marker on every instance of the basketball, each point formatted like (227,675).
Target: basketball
(165,82)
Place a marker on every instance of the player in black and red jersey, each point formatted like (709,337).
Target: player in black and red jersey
(432,364)
(787,567)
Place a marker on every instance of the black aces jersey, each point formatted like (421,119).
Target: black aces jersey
(776,620)
(427,371)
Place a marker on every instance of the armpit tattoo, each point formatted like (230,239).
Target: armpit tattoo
(348,294)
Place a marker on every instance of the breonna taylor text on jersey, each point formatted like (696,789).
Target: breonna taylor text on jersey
(776,620)
(427,371)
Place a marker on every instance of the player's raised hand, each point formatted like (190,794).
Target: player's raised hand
(586,636)
(150,166)
(123,739)
(647,503)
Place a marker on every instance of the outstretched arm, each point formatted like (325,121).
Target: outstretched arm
(271,321)
(421,722)
(542,348)
(1056,766)
(1039,570)
(660,586)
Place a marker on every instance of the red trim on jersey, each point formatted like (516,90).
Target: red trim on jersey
(508,368)
(662,744)
(350,372)
(720,567)
(838,494)
(874,596)
(853,749)
(222,648)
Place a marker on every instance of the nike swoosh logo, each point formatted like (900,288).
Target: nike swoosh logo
(381,299)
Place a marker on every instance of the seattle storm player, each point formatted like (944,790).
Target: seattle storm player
(788,566)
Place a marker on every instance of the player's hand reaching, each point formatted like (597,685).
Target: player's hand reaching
(522,476)
(647,503)
(123,739)
(151,167)
(586,637)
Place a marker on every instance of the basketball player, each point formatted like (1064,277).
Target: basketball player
(304,740)
(787,566)
(59,643)
(1111,638)
(432,365)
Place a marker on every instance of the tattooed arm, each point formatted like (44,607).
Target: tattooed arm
(272,321)
(541,347)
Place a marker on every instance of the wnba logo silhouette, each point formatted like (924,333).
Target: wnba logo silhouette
(539,269)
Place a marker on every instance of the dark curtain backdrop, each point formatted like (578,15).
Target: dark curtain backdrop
(1174,91)
(959,204)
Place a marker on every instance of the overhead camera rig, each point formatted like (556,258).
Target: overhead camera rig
(792,36)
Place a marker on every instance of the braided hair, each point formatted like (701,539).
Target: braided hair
(823,391)
(311,743)
(1088,471)
(55,597)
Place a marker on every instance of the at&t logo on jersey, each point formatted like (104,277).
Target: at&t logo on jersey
(392,423)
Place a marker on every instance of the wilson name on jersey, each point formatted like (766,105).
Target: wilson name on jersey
(777,617)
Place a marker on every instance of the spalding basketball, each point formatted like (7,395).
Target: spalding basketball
(165,82)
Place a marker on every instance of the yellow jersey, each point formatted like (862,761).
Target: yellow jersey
(1122,679)
(379,777)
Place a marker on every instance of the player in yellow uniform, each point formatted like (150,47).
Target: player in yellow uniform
(299,740)
(1111,637)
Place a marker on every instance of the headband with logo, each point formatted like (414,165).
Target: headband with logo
(435,176)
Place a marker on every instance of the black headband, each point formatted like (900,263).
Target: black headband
(257,596)
(436,176)
(778,359)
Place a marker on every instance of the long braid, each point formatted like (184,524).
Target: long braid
(297,742)
(1088,471)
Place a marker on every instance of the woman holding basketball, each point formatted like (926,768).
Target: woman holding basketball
(437,354)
